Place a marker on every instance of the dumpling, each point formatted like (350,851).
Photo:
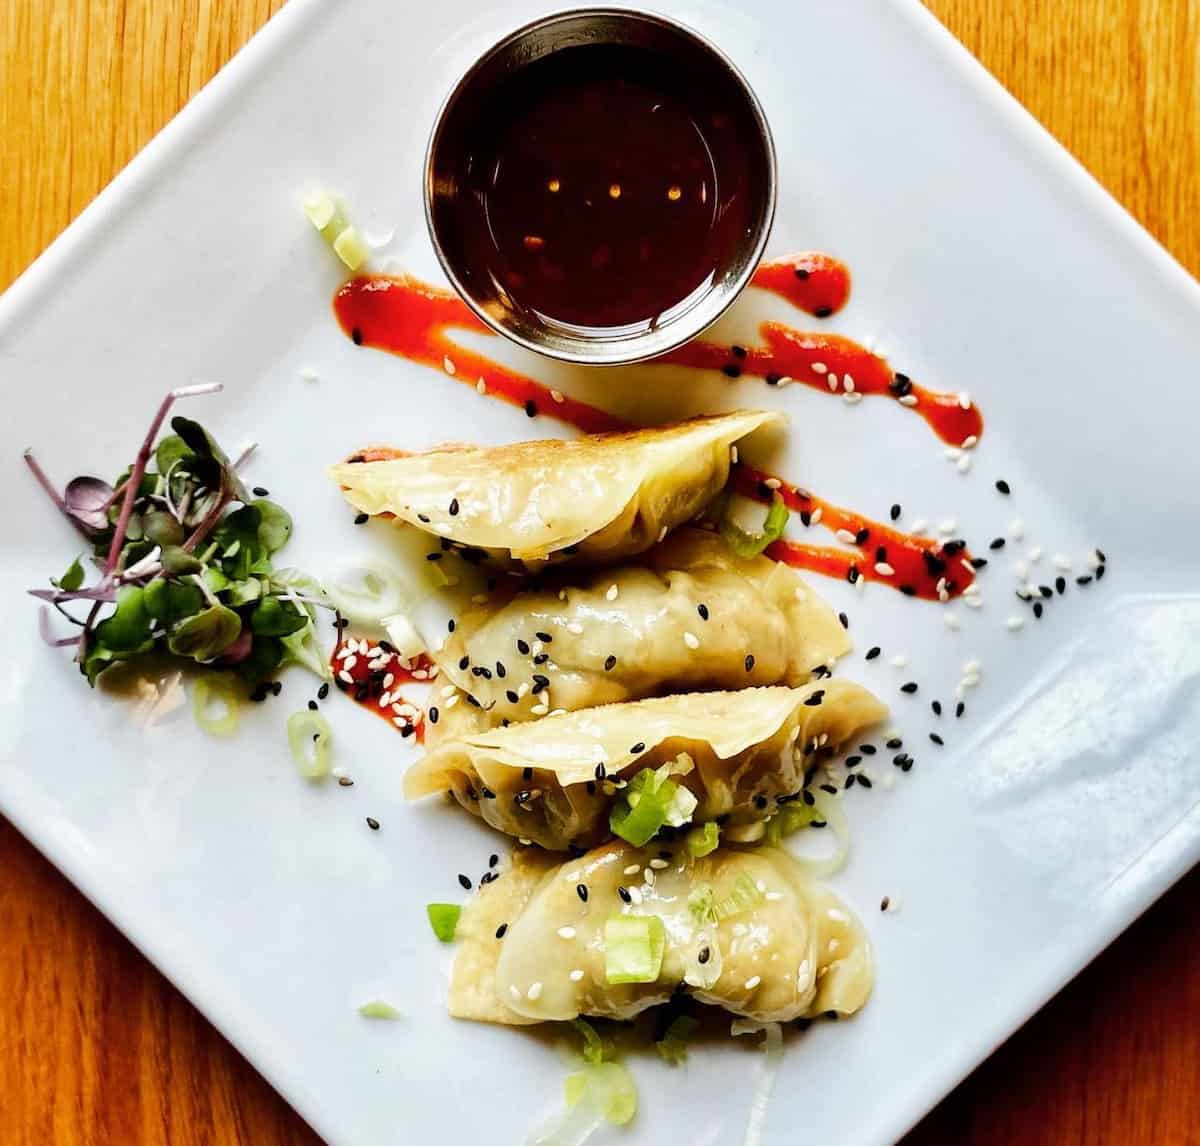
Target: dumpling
(600,496)
(778,946)
(551,780)
(689,615)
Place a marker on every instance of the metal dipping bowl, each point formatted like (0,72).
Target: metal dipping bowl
(445,158)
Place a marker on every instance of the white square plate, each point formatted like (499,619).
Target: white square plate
(985,259)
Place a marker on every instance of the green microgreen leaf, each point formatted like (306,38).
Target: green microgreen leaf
(275,527)
(273,617)
(206,634)
(71,579)
(161,527)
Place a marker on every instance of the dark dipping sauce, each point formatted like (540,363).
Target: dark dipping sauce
(601,186)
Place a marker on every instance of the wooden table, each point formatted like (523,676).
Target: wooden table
(96,1047)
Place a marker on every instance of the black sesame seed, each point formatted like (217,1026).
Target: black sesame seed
(356,336)
(501,671)
(731,370)
(600,771)
(1038,609)
(853,761)
(1102,558)
(421,517)
(407,730)
(959,709)
(433,557)
(860,538)
(979,563)
(501,930)
(805,517)
(702,609)
(802,273)
(895,512)
(881,553)
(1003,487)
(956,545)
(610,662)
(511,696)
(530,408)
(637,749)
(345,782)
(900,384)
(844,619)
(808,798)
(581,891)
(487,878)
(539,679)
(1084,580)
(487,793)
(545,638)
(702,955)
(997,543)
(1099,571)
(260,491)
(1060,583)
(541,658)
(749,662)
(873,652)
(323,691)
(851,780)
(823,312)
(624,894)
(894,743)
(936,739)
(1046,591)
(433,715)
(852,574)
(463,662)
(372,823)
(910,687)
(493,860)
(527,773)
(815,699)
(934,564)
(454,507)
(773,379)
(760,801)
(591,787)
(908,590)
(864,781)
(361,518)
(312,706)
(522,647)
(738,351)
(937,707)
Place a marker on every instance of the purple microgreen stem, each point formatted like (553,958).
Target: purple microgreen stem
(47,634)
(59,503)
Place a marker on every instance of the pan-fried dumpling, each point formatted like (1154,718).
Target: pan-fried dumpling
(600,496)
(689,615)
(744,929)
(552,780)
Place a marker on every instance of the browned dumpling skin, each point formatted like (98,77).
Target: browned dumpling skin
(595,498)
(552,780)
(795,951)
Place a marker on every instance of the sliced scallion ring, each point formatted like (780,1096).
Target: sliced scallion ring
(216,703)
(366,593)
(752,544)
(309,738)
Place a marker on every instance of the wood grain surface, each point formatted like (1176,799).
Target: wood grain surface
(97,1048)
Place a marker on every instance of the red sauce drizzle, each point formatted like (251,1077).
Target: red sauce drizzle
(411,319)
(812,282)
(367,688)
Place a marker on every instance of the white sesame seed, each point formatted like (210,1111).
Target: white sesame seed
(1016,530)
(908,400)
(852,399)
(512,990)
(964,399)
(753,982)
(385,699)
(971,680)
(947,527)
(662,533)
(972,668)
(953,453)
(575,975)
(819,368)
(800,594)
(338,773)
(760,887)
(452,702)
(899,661)
(562,594)
(848,383)
(832,381)
(691,640)
(860,586)
(344,676)
(540,709)
(970,442)
(399,721)
(836,915)
(972,602)
(832,946)
(308,374)
(481,386)
(344,651)
(786,380)
(658,864)
(536,648)
(1035,555)
(773,896)
(919,526)
(448,366)
(772,483)
(816,516)
(969,568)
(635,893)
(733,455)
(566,933)
(1014,623)
(846,536)
(389,680)
(951,621)
(522,688)
(943,594)
(442,527)
(448,690)
(633,869)
(611,595)
(823,739)
(575,628)
(649,876)
(1063,562)
(884,569)
(1021,569)
(534,992)
(557,396)
(964,463)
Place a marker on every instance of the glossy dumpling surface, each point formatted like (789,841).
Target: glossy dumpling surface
(688,615)
(796,950)
(601,496)
(540,780)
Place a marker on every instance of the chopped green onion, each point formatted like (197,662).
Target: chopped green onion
(379,1009)
(790,818)
(649,801)
(309,737)
(752,544)
(672,1047)
(743,896)
(222,691)
(607,1087)
(703,840)
(700,902)
(633,948)
(351,248)
(829,809)
(593,1044)
(443,918)
(328,215)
